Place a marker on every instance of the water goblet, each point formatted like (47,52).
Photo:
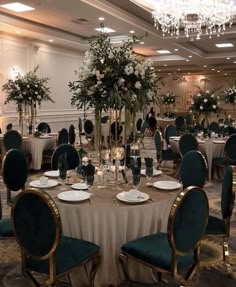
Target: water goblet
(136,180)
(89,181)
(149,174)
(62,177)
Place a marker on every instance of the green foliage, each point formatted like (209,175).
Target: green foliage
(113,77)
(27,89)
(230,95)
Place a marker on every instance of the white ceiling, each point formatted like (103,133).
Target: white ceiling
(71,22)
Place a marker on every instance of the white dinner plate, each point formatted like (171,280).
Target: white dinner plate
(45,137)
(219,142)
(175,137)
(37,184)
(80,186)
(73,195)
(200,141)
(155,172)
(52,134)
(25,138)
(132,196)
(167,184)
(52,173)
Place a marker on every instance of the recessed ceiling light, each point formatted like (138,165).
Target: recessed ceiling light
(187,60)
(169,73)
(225,74)
(105,30)
(218,71)
(159,70)
(213,69)
(165,65)
(163,51)
(18,32)
(189,73)
(132,31)
(50,40)
(205,66)
(234,62)
(228,58)
(17,7)
(224,45)
(142,43)
(176,50)
(179,69)
(190,56)
(101,18)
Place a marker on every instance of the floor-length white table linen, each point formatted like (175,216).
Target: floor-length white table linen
(110,226)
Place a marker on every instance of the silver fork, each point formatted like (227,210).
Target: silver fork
(115,200)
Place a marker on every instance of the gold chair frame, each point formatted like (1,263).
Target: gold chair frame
(170,228)
(52,278)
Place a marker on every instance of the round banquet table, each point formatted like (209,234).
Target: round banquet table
(110,226)
(210,149)
(164,122)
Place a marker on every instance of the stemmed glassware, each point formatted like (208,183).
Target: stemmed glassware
(149,169)
(62,166)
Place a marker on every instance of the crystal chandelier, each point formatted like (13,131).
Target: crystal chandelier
(192,16)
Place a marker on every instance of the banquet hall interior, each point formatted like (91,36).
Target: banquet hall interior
(117,143)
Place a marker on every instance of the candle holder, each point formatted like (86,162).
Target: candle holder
(117,154)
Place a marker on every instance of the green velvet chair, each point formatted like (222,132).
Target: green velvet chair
(179,248)
(44,127)
(180,124)
(187,143)
(72,156)
(5,224)
(193,169)
(62,137)
(163,154)
(220,228)
(214,127)
(38,230)
(170,131)
(72,135)
(14,172)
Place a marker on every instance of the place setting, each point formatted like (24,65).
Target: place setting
(44,182)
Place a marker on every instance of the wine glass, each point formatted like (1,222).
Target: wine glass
(149,174)
(89,181)
(136,180)
(62,177)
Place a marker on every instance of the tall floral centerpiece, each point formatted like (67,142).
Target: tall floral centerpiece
(113,78)
(167,100)
(28,92)
(205,103)
(230,97)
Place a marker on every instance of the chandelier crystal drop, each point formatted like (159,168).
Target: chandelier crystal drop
(193,16)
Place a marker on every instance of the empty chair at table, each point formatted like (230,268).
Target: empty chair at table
(170,131)
(62,137)
(178,248)
(14,172)
(214,127)
(38,230)
(72,135)
(187,143)
(152,124)
(44,127)
(193,169)
(180,123)
(220,227)
(72,156)
(139,125)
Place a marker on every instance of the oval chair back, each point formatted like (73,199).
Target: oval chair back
(188,119)
(228,192)
(139,124)
(179,122)
(36,223)
(193,169)
(44,127)
(72,156)
(14,172)
(62,137)
(9,127)
(188,220)
(214,127)
(12,140)
(116,128)
(72,134)
(158,141)
(230,148)
(187,143)
(104,119)
(230,130)
(152,122)
(170,132)
(88,127)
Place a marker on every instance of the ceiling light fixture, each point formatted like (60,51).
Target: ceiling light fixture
(142,43)
(192,16)
(17,7)
(50,40)
(101,18)
(163,52)
(105,30)
(224,45)
(132,32)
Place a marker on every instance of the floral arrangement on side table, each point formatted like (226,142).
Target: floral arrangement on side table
(168,99)
(230,97)
(205,103)
(27,91)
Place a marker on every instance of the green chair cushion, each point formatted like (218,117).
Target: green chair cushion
(70,253)
(215,226)
(6,228)
(155,250)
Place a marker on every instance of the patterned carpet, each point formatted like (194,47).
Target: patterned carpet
(212,271)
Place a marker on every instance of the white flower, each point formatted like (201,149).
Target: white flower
(121,81)
(138,67)
(201,107)
(205,101)
(110,56)
(136,73)
(28,86)
(207,92)
(39,97)
(129,70)
(36,86)
(199,95)
(18,88)
(138,85)
(214,107)
(192,103)
(30,98)
(99,82)
(36,92)
(212,96)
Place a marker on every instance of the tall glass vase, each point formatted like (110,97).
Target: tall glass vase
(20,119)
(97,134)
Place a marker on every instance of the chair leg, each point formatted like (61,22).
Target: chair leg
(123,259)
(95,264)
(227,259)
